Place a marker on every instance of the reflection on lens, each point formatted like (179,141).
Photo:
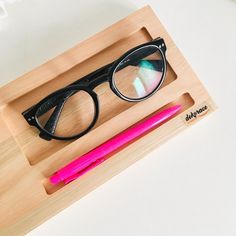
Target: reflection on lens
(67,115)
(140,73)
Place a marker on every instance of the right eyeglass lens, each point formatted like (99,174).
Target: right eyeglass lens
(67,117)
(140,73)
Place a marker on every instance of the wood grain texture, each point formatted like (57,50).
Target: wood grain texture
(26,197)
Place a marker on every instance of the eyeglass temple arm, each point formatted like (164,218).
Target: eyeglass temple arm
(53,120)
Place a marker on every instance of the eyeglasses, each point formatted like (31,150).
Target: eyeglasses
(71,112)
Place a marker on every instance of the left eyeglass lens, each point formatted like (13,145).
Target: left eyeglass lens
(140,73)
(67,115)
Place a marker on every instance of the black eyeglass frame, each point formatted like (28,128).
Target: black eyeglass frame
(87,84)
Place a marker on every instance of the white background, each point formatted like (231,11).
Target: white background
(187,186)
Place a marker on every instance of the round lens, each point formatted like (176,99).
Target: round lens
(68,114)
(140,73)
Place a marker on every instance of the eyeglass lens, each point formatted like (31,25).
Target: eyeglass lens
(76,114)
(140,73)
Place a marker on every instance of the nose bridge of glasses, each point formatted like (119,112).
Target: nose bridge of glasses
(88,79)
(99,80)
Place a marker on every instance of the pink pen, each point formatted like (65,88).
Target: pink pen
(96,156)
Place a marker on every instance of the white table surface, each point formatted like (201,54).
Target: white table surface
(187,186)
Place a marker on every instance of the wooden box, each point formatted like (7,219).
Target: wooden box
(26,197)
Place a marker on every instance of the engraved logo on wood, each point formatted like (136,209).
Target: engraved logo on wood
(192,116)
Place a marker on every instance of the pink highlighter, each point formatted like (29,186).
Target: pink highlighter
(93,158)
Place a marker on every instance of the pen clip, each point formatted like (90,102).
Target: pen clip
(85,170)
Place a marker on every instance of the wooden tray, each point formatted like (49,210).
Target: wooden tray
(26,161)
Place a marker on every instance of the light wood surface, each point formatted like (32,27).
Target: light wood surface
(26,197)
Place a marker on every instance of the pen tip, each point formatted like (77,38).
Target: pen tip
(54,179)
